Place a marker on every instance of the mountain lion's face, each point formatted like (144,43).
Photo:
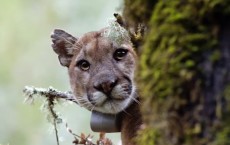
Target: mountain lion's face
(101,72)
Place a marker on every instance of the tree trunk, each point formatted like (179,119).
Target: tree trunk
(184,73)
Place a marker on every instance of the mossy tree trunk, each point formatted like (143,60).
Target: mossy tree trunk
(184,70)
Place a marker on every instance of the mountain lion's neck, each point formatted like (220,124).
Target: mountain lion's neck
(131,122)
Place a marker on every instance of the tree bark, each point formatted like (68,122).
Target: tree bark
(184,73)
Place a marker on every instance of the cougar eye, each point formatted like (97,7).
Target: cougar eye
(83,65)
(119,54)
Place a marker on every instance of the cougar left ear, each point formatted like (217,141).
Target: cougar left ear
(63,45)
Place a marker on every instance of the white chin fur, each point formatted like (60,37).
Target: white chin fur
(113,106)
(101,104)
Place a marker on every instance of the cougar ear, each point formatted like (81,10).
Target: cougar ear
(63,45)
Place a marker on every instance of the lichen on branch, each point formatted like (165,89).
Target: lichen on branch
(52,97)
(32,92)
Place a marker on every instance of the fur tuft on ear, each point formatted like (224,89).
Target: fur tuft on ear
(63,45)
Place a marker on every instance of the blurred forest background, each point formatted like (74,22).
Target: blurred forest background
(28,59)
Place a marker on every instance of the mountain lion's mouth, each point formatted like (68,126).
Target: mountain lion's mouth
(104,99)
(113,101)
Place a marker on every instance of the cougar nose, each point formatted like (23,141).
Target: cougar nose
(105,86)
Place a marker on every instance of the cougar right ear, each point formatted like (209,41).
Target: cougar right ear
(63,45)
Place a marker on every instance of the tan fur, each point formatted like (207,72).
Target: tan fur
(104,71)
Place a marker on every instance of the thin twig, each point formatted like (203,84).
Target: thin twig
(52,95)
(56,133)
(48,93)
(54,115)
(55,124)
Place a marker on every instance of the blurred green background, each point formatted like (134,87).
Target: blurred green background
(26,58)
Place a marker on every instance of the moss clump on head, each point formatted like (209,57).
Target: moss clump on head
(115,33)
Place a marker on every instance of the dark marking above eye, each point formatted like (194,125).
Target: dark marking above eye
(120,53)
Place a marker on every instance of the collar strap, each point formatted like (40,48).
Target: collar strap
(108,123)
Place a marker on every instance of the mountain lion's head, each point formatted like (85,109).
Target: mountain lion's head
(101,71)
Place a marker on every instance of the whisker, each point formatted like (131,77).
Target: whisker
(113,107)
(92,108)
(135,100)
(85,103)
(123,110)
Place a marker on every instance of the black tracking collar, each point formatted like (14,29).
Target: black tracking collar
(108,123)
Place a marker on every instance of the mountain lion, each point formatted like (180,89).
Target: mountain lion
(101,68)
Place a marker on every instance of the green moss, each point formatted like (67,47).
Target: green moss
(137,11)
(215,56)
(179,34)
(148,136)
(223,134)
(227,93)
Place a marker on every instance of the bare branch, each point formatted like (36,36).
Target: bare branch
(48,93)
(52,96)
